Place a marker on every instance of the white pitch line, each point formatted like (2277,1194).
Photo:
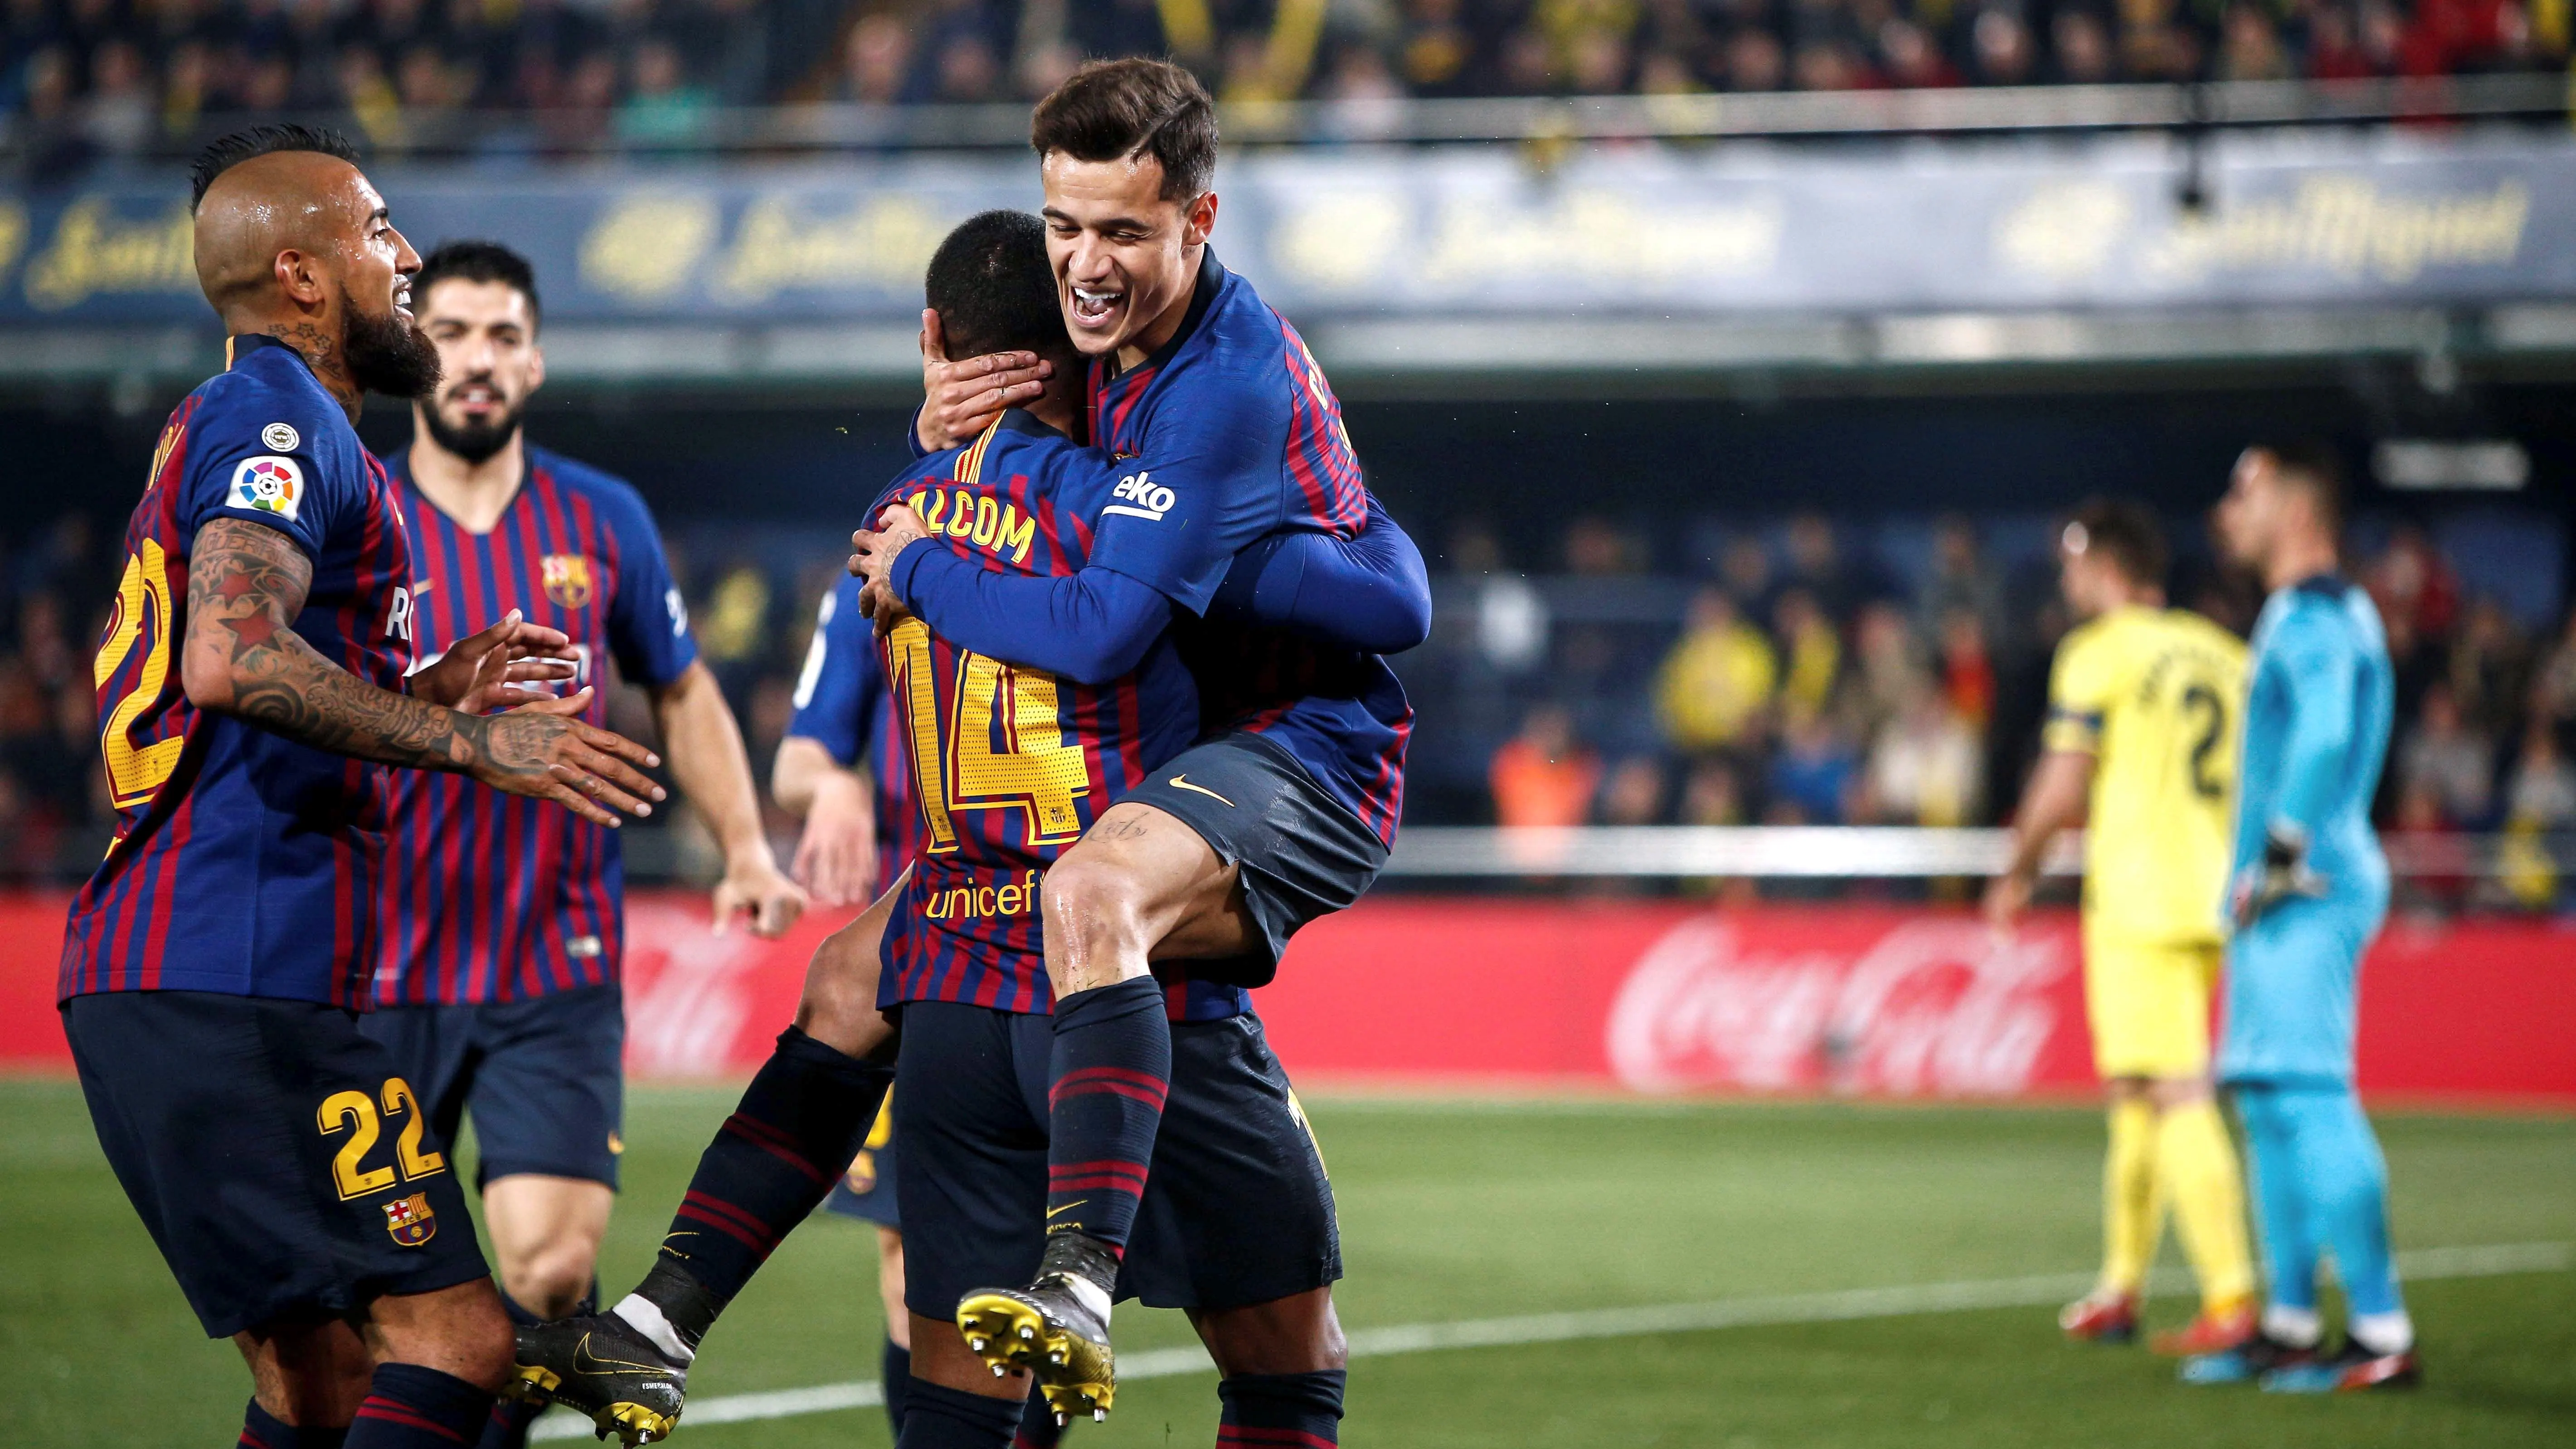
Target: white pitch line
(1837,1307)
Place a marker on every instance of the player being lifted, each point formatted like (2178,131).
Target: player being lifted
(214,965)
(2141,740)
(500,927)
(1227,432)
(842,769)
(2309,890)
(1236,1225)
(806,1110)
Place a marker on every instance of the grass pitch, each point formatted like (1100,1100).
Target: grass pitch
(1456,1210)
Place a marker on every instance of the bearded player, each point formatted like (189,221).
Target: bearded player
(215,964)
(501,927)
(2141,742)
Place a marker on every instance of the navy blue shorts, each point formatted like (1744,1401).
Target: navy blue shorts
(277,1157)
(866,1191)
(1301,853)
(542,1076)
(1236,1210)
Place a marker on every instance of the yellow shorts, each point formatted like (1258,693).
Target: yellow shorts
(2148,1002)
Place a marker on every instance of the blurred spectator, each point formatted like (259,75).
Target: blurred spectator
(1923,766)
(1812,647)
(2083,48)
(1889,672)
(121,112)
(1711,796)
(1744,568)
(663,108)
(1909,59)
(2334,46)
(1959,580)
(1718,679)
(878,54)
(1812,771)
(2448,762)
(2250,48)
(2417,592)
(2001,45)
(1544,775)
(2543,793)
(968,73)
(1634,793)
(2489,668)
(1817,563)
(1967,671)
(1754,61)
(1596,547)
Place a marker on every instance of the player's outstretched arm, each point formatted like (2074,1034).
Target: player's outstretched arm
(836,856)
(240,655)
(714,771)
(2053,803)
(1370,593)
(1089,627)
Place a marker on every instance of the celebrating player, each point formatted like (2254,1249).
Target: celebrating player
(500,929)
(214,964)
(1227,432)
(2309,890)
(842,769)
(2141,737)
(808,1106)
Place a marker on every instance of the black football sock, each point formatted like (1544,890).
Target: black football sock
(411,1406)
(943,1418)
(804,1116)
(1281,1411)
(895,1372)
(263,1430)
(1038,1428)
(1110,1071)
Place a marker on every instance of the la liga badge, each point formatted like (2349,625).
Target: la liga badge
(410,1221)
(267,485)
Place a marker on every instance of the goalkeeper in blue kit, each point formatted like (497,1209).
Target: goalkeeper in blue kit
(2308,891)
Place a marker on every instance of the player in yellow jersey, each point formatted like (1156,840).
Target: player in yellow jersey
(2141,736)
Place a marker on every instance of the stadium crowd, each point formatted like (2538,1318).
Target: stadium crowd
(83,79)
(1803,681)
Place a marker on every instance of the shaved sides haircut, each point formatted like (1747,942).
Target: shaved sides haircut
(264,140)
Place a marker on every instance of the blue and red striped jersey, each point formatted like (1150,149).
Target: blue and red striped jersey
(1013,764)
(842,704)
(489,896)
(244,862)
(1226,433)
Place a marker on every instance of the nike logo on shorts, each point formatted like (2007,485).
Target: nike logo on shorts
(1182,782)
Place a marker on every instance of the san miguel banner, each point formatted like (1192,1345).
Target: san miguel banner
(2307,218)
(1664,998)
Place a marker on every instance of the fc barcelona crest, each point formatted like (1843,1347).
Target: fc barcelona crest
(566,577)
(410,1221)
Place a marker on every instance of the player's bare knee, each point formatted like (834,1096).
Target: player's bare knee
(1094,914)
(552,1281)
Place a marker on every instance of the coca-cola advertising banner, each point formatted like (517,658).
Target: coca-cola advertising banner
(1650,997)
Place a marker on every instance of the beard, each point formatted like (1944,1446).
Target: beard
(387,354)
(476,439)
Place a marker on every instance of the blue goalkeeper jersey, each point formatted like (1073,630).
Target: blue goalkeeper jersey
(2317,715)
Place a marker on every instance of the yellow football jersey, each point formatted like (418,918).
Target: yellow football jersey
(2153,695)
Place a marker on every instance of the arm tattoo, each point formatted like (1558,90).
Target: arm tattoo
(246,584)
